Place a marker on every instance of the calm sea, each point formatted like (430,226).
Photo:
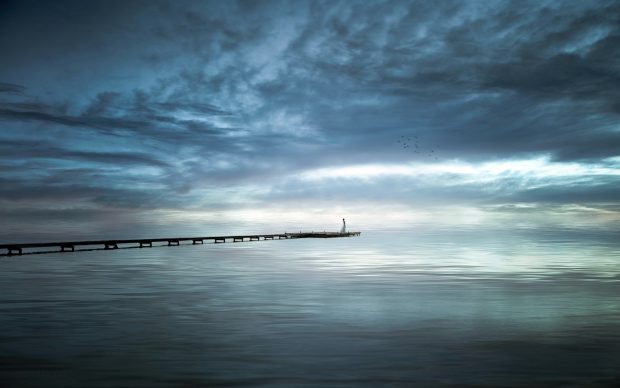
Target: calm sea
(419,307)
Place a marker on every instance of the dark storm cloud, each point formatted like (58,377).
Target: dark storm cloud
(84,188)
(138,119)
(243,94)
(103,123)
(11,88)
(481,78)
(13,150)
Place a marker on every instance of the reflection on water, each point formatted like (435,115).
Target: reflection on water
(518,307)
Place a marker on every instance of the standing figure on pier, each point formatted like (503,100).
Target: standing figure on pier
(344,227)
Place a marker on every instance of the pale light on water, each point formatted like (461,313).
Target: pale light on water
(430,307)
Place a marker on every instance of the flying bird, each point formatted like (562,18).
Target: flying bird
(412,143)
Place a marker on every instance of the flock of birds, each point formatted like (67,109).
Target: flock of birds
(413,144)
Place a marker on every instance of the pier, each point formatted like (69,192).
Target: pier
(70,246)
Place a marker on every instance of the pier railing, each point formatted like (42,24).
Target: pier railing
(70,246)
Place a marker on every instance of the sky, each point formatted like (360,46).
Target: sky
(137,117)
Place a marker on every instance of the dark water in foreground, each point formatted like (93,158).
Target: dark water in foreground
(512,308)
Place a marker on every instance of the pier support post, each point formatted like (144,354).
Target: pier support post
(146,244)
(173,243)
(67,247)
(237,239)
(194,242)
(14,251)
(111,245)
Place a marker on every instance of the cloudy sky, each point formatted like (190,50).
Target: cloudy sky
(120,115)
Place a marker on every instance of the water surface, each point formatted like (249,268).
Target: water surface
(510,307)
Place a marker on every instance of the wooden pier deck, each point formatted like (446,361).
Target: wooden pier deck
(70,246)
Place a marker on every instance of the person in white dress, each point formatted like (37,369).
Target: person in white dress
(344,227)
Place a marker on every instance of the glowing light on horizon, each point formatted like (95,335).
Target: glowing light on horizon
(533,168)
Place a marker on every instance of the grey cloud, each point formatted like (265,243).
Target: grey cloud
(12,149)
(110,114)
(102,103)
(106,125)
(11,114)
(562,75)
(206,109)
(11,88)
(82,189)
